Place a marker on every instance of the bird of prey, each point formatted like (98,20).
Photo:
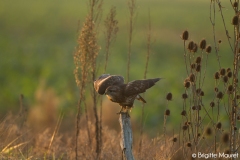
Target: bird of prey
(124,94)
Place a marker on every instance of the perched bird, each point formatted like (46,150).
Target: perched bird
(124,94)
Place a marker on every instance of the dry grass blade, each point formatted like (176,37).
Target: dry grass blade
(8,149)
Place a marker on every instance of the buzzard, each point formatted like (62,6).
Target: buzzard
(124,94)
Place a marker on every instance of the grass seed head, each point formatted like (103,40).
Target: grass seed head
(185,35)
(203,44)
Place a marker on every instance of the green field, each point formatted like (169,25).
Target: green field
(38,39)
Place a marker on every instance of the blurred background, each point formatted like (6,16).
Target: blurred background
(38,39)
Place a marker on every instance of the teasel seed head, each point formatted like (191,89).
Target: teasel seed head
(192,77)
(184,113)
(191,45)
(169,96)
(219,41)
(185,127)
(198,90)
(193,66)
(238,118)
(230,88)
(212,104)
(235,4)
(174,139)
(198,69)
(187,84)
(219,125)
(220,95)
(203,44)
(199,134)
(202,93)
(167,112)
(198,60)
(208,49)
(195,48)
(184,96)
(225,79)
(189,144)
(235,128)
(222,72)
(235,20)
(208,131)
(216,75)
(229,74)
(194,107)
(216,89)
(228,69)
(185,35)
(225,137)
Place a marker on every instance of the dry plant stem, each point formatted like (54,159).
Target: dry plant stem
(185,56)
(126,140)
(144,77)
(212,19)
(88,128)
(131,6)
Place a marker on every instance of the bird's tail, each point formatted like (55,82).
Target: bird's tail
(140,99)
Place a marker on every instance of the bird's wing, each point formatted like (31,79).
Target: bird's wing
(106,80)
(139,86)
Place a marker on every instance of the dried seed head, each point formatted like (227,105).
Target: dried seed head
(219,41)
(184,113)
(202,93)
(198,69)
(217,75)
(235,4)
(216,89)
(195,48)
(187,84)
(236,80)
(198,90)
(189,144)
(212,104)
(199,107)
(220,95)
(219,125)
(228,69)
(203,44)
(184,96)
(225,79)
(235,20)
(208,131)
(225,137)
(169,96)
(222,72)
(167,112)
(199,134)
(238,118)
(193,66)
(230,88)
(185,127)
(194,107)
(192,77)
(185,35)
(238,96)
(174,139)
(229,74)
(190,45)
(198,60)
(235,128)
(208,49)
